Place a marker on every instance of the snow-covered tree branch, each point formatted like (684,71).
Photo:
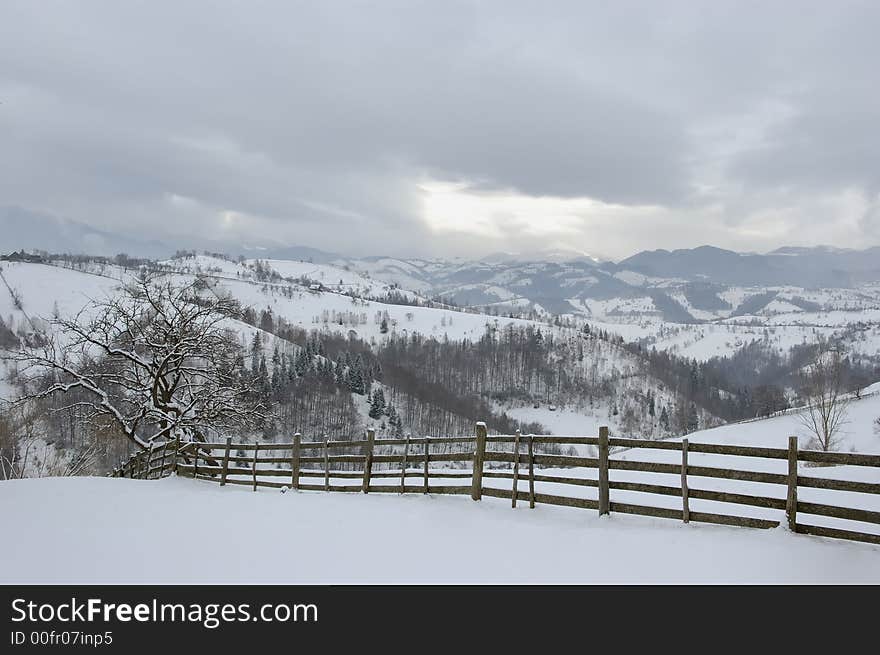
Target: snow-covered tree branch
(155,359)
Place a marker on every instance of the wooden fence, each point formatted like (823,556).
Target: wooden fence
(411,465)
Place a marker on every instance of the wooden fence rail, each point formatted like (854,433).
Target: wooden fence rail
(293,464)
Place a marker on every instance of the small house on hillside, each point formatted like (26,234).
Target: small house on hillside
(21,256)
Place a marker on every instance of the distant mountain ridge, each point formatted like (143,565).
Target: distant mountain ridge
(819,266)
(682,284)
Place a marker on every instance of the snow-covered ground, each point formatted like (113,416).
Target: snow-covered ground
(560,421)
(106,530)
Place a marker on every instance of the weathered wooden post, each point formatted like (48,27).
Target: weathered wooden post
(515,469)
(531,472)
(604,502)
(425,490)
(368,460)
(326,463)
(294,461)
(174,455)
(195,451)
(685,506)
(147,462)
(254,464)
(164,456)
(791,500)
(144,463)
(479,456)
(225,462)
(403,466)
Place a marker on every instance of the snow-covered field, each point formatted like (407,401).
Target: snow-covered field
(560,421)
(107,530)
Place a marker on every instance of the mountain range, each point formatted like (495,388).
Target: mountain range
(677,283)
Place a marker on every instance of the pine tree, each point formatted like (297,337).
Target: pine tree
(664,419)
(377,404)
(256,353)
(693,421)
(263,373)
(284,375)
(302,363)
(356,377)
(276,369)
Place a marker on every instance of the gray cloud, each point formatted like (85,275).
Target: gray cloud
(315,123)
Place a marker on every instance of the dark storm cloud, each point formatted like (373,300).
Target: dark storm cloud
(316,122)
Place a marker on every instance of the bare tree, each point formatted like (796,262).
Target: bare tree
(822,386)
(155,359)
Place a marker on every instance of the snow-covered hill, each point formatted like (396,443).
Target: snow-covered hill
(330,299)
(627,299)
(293,292)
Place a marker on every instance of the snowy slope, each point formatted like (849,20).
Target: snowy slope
(42,289)
(319,538)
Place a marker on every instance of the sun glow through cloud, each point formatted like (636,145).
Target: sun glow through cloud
(460,207)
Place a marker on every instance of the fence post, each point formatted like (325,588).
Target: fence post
(479,456)
(326,463)
(426,464)
(791,500)
(368,460)
(515,469)
(685,506)
(225,462)
(604,501)
(531,472)
(254,465)
(164,457)
(146,467)
(195,461)
(174,456)
(294,462)
(403,466)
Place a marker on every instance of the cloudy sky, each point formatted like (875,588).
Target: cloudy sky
(447,128)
